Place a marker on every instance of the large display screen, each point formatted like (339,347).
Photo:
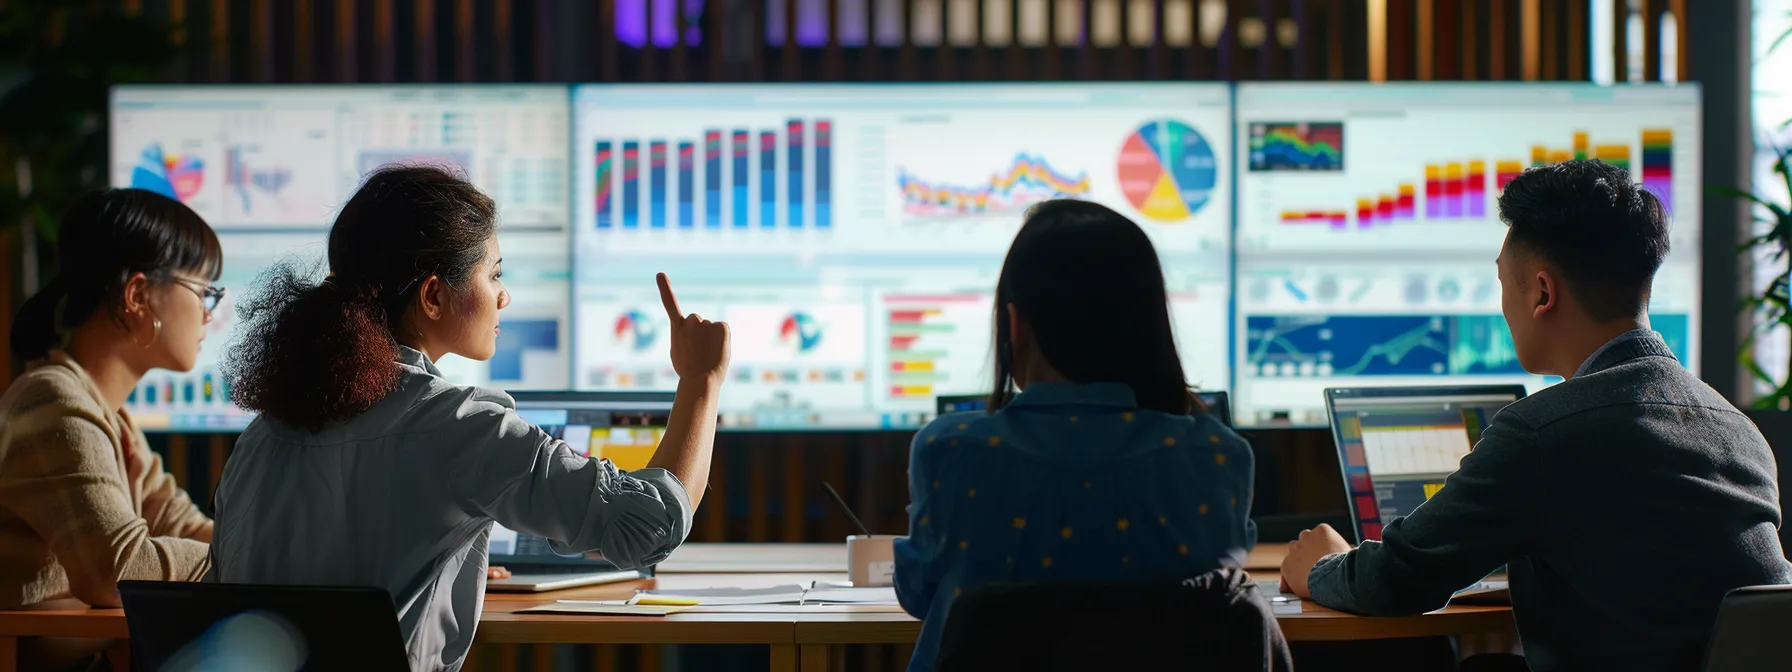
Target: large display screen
(269,166)
(1368,227)
(1313,235)
(851,235)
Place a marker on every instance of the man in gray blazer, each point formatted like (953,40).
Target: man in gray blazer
(1625,501)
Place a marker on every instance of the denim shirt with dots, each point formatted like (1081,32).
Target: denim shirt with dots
(1069,482)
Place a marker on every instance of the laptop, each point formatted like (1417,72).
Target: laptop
(622,427)
(214,626)
(1219,404)
(1397,445)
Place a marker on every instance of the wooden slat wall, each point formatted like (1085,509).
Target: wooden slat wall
(765,487)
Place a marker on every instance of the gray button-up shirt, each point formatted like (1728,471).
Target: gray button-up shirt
(403,497)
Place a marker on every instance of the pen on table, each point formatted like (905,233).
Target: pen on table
(847,509)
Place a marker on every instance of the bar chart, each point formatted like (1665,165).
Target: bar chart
(937,344)
(673,187)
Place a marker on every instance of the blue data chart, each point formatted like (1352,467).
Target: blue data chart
(1380,345)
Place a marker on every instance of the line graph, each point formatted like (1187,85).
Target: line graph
(1027,179)
(1379,345)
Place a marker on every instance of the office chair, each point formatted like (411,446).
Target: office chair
(177,627)
(1751,630)
(1218,621)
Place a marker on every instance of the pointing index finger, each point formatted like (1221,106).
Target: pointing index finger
(670,301)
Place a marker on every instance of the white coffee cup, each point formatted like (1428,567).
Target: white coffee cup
(871,560)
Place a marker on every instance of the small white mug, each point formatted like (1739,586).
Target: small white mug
(871,560)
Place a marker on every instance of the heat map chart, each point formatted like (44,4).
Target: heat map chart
(1302,145)
(1167,171)
(1027,179)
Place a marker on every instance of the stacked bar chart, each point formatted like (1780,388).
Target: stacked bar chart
(716,180)
(1386,208)
(1456,190)
(1506,170)
(1617,154)
(1658,164)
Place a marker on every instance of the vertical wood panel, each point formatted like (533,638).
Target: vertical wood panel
(607,48)
(465,41)
(1428,53)
(796,482)
(792,68)
(715,36)
(1652,11)
(1305,45)
(1160,48)
(1678,7)
(347,57)
(220,41)
(503,29)
(679,46)
(1496,39)
(1378,40)
(1231,57)
(1401,53)
(1578,48)
(835,68)
(1620,47)
(758,490)
(303,55)
(1531,52)
(385,27)
(423,31)
(1553,66)
(1471,40)
(1335,39)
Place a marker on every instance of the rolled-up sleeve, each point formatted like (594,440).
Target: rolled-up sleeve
(504,468)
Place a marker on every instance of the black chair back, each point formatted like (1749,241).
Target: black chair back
(1751,630)
(191,626)
(1218,621)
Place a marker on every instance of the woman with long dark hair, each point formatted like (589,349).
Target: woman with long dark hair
(1094,460)
(84,503)
(367,467)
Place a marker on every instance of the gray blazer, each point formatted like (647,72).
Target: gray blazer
(1625,503)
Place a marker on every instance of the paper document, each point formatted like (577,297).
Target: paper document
(791,594)
(819,595)
(603,608)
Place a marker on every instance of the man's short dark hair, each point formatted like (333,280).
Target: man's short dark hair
(1605,234)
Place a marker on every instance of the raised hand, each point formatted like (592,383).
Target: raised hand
(699,346)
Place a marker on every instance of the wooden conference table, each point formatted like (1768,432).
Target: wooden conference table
(801,640)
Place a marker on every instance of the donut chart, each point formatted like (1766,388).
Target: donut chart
(1167,170)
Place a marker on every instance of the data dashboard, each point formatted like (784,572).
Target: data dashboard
(269,166)
(1368,227)
(1312,235)
(852,235)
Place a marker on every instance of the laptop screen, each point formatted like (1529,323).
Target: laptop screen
(1396,445)
(622,427)
(1218,403)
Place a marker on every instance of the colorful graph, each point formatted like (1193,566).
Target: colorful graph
(800,330)
(177,176)
(1317,145)
(1380,345)
(636,329)
(240,178)
(1167,171)
(680,171)
(1028,179)
(1658,164)
(1456,190)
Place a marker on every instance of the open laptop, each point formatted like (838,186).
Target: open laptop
(1397,445)
(1218,403)
(622,427)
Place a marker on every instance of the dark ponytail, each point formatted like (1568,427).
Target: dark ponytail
(317,352)
(107,237)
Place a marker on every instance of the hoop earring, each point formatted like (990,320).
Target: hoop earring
(153,337)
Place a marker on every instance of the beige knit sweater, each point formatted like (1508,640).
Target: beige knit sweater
(84,503)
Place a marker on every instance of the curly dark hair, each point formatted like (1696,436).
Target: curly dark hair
(1606,234)
(314,353)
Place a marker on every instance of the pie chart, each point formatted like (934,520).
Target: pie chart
(1167,170)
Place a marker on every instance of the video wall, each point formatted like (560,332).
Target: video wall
(1313,235)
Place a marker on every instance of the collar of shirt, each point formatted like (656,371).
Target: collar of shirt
(1625,337)
(1116,395)
(411,357)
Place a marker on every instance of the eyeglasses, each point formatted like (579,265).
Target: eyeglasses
(209,295)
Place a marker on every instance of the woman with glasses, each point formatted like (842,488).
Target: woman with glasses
(84,503)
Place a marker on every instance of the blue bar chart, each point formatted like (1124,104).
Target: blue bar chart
(687,185)
(718,179)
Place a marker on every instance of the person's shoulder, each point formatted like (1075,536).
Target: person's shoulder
(953,426)
(49,388)
(1627,389)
